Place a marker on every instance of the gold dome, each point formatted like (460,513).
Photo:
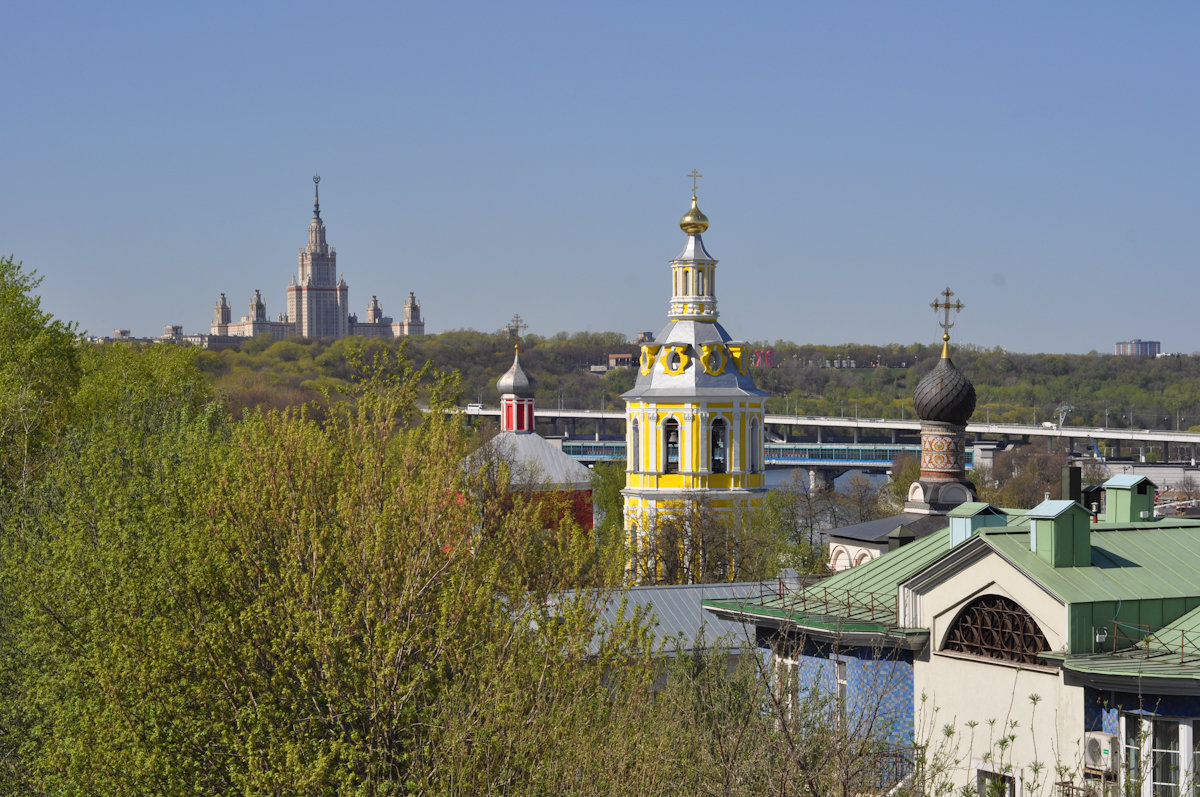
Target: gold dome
(693,222)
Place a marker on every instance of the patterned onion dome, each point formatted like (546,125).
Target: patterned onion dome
(520,384)
(945,394)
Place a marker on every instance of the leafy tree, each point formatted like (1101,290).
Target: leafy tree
(39,368)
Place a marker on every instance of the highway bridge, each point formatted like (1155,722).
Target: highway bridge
(1134,444)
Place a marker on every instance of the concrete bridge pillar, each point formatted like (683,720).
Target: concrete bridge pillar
(1142,453)
(818,435)
(855,434)
(818,479)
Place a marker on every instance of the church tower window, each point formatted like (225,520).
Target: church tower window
(635,447)
(671,446)
(719,447)
(755,447)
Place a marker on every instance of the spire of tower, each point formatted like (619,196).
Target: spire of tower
(693,270)
(317,196)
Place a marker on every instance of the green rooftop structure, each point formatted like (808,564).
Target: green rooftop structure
(1099,616)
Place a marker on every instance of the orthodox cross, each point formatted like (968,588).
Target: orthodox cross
(946,307)
(695,175)
(516,326)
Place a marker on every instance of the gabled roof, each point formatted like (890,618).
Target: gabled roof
(878,530)
(1049,509)
(973,508)
(542,460)
(1125,480)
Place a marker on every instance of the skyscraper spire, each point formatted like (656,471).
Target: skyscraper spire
(317,196)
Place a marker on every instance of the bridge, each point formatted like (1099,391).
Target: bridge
(892,429)
(845,456)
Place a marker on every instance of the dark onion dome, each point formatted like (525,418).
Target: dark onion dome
(945,394)
(517,382)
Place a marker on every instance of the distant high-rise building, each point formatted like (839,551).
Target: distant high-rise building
(318,303)
(1139,348)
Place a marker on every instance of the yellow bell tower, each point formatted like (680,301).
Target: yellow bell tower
(694,419)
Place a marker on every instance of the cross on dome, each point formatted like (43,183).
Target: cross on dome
(946,307)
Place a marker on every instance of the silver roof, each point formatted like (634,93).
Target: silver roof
(694,381)
(694,249)
(541,460)
(679,617)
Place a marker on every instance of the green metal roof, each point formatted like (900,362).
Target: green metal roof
(1171,652)
(1126,480)
(1130,561)
(973,508)
(864,595)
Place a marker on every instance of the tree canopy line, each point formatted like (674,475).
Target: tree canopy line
(1101,389)
(270,571)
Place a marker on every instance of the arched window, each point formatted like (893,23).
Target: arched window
(719,447)
(685,283)
(755,446)
(670,447)
(997,628)
(700,282)
(635,446)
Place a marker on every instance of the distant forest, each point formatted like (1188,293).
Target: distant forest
(808,379)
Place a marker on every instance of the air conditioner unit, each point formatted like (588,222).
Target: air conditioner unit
(1100,751)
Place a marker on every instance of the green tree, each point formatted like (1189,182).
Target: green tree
(39,368)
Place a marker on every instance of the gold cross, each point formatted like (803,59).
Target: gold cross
(946,307)
(695,175)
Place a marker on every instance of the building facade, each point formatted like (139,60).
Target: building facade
(694,419)
(1139,348)
(1061,647)
(318,301)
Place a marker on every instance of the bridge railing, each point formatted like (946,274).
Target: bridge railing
(776,453)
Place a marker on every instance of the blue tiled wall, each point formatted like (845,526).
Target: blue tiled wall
(878,681)
(1101,709)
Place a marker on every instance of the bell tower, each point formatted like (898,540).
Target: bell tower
(694,417)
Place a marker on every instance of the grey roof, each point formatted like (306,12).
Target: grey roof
(679,616)
(878,530)
(693,249)
(544,461)
(694,378)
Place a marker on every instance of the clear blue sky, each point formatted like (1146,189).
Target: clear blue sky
(501,158)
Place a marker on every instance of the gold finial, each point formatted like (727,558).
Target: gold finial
(946,323)
(694,222)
